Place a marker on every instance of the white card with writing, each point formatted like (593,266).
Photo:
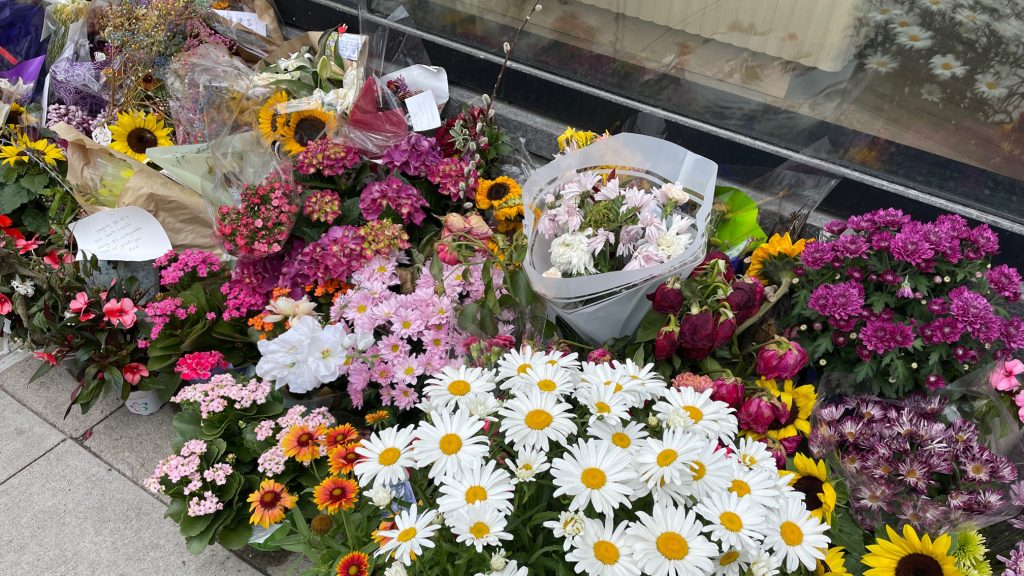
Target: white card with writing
(128,233)
(349,46)
(248,19)
(423,114)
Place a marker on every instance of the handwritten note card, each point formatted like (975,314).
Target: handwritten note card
(349,46)
(128,233)
(248,19)
(423,114)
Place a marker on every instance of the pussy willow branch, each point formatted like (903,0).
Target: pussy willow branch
(508,54)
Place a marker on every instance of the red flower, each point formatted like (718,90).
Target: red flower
(745,299)
(5,221)
(80,306)
(47,357)
(756,415)
(24,246)
(5,305)
(120,312)
(781,359)
(666,300)
(666,343)
(54,259)
(730,391)
(134,373)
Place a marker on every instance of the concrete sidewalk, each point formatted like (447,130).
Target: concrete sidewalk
(71,496)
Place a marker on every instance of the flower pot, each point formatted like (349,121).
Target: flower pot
(143,402)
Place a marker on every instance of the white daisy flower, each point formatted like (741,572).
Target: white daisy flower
(454,386)
(479,526)
(687,409)
(450,443)
(753,453)
(667,460)
(757,485)
(990,86)
(946,66)
(970,17)
(901,21)
(709,471)
(514,364)
(511,569)
(547,378)
(410,536)
(731,562)
(604,550)
(915,38)
(649,384)
(931,92)
(527,464)
(936,5)
(625,437)
(534,419)
(735,522)
(483,406)
(884,12)
(568,362)
(795,537)
(614,377)
(669,543)
(569,526)
(395,569)
(881,63)
(387,455)
(483,485)
(604,404)
(594,473)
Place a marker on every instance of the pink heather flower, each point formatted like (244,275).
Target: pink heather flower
(395,194)
(1004,375)
(881,336)
(328,157)
(699,383)
(322,206)
(120,312)
(199,365)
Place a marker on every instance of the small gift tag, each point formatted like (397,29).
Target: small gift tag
(423,114)
(248,19)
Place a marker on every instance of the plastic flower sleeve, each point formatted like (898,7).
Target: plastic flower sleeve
(200,91)
(607,305)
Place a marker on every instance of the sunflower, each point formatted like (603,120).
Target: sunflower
(510,216)
(834,563)
(305,126)
(48,151)
(909,554)
(11,155)
(15,114)
(498,193)
(354,564)
(800,401)
(334,494)
(774,256)
(269,503)
(811,480)
(270,121)
(135,132)
(302,442)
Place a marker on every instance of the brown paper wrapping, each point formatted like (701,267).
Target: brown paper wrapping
(180,210)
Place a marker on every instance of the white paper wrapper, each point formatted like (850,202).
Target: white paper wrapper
(600,307)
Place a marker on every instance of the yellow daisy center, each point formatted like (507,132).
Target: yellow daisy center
(606,552)
(458,388)
(728,558)
(666,457)
(602,408)
(522,369)
(450,444)
(407,534)
(731,521)
(389,456)
(476,494)
(547,385)
(479,530)
(739,488)
(699,470)
(538,419)
(947,66)
(621,439)
(593,478)
(672,545)
(792,535)
(694,413)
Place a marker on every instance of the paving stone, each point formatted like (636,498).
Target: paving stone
(282,563)
(25,436)
(131,443)
(69,514)
(50,395)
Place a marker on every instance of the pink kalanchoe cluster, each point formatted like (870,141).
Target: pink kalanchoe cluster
(162,311)
(322,206)
(185,470)
(454,178)
(413,156)
(223,391)
(416,333)
(208,505)
(199,365)
(262,221)
(394,194)
(271,463)
(327,157)
(901,460)
(174,265)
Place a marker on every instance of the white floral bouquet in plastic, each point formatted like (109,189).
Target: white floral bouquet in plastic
(606,462)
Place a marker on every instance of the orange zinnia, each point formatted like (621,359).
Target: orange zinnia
(343,458)
(302,442)
(354,564)
(340,435)
(269,503)
(335,494)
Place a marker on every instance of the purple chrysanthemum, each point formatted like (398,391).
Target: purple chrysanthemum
(982,242)
(911,245)
(843,301)
(944,330)
(881,336)
(1011,332)
(974,312)
(1015,562)
(1005,281)
(849,246)
(817,255)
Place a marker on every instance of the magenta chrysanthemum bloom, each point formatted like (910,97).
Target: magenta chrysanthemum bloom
(945,330)
(982,241)
(881,336)
(392,193)
(974,312)
(911,245)
(836,227)
(413,156)
(843,301)
(449,173)
(889,218)
(322,206)
(328,157)
(1011,332)
(1005,281)
(849,246)
(817,255)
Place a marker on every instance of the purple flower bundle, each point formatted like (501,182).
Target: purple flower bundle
(904,304)
(903,464)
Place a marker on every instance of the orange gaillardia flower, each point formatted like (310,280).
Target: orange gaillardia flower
(339,436)
(269,503)
(354,564)
(302,443)
(334,494)
(343,458)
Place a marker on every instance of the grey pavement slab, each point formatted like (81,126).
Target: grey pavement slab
(25,437)
(50,395)
(69,514)
(131,443)
(280,563)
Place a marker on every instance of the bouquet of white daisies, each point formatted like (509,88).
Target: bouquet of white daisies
(547,466)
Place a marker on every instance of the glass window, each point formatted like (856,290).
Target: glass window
(924,94)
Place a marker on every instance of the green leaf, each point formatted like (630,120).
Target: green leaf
(193,525)
(35,182)
(187,424)
(740,223)
(649,327)
(12,197)
(36,221)
(847,534)
(236,534)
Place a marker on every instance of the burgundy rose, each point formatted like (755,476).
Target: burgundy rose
(697,335)
(715,255)
(665,344)
(779,452)
(791,444)
(600,356)
(666,300)
(756,415)
(746,299)
(730,391)
(724,330)
(781,359)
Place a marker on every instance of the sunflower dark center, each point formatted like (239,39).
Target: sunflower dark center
(497,191)
(918,565)
(308,129)
(270,499)
(810,487)
(14,117)
(141,139)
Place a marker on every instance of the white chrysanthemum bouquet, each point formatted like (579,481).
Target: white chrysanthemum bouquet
(546,466)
